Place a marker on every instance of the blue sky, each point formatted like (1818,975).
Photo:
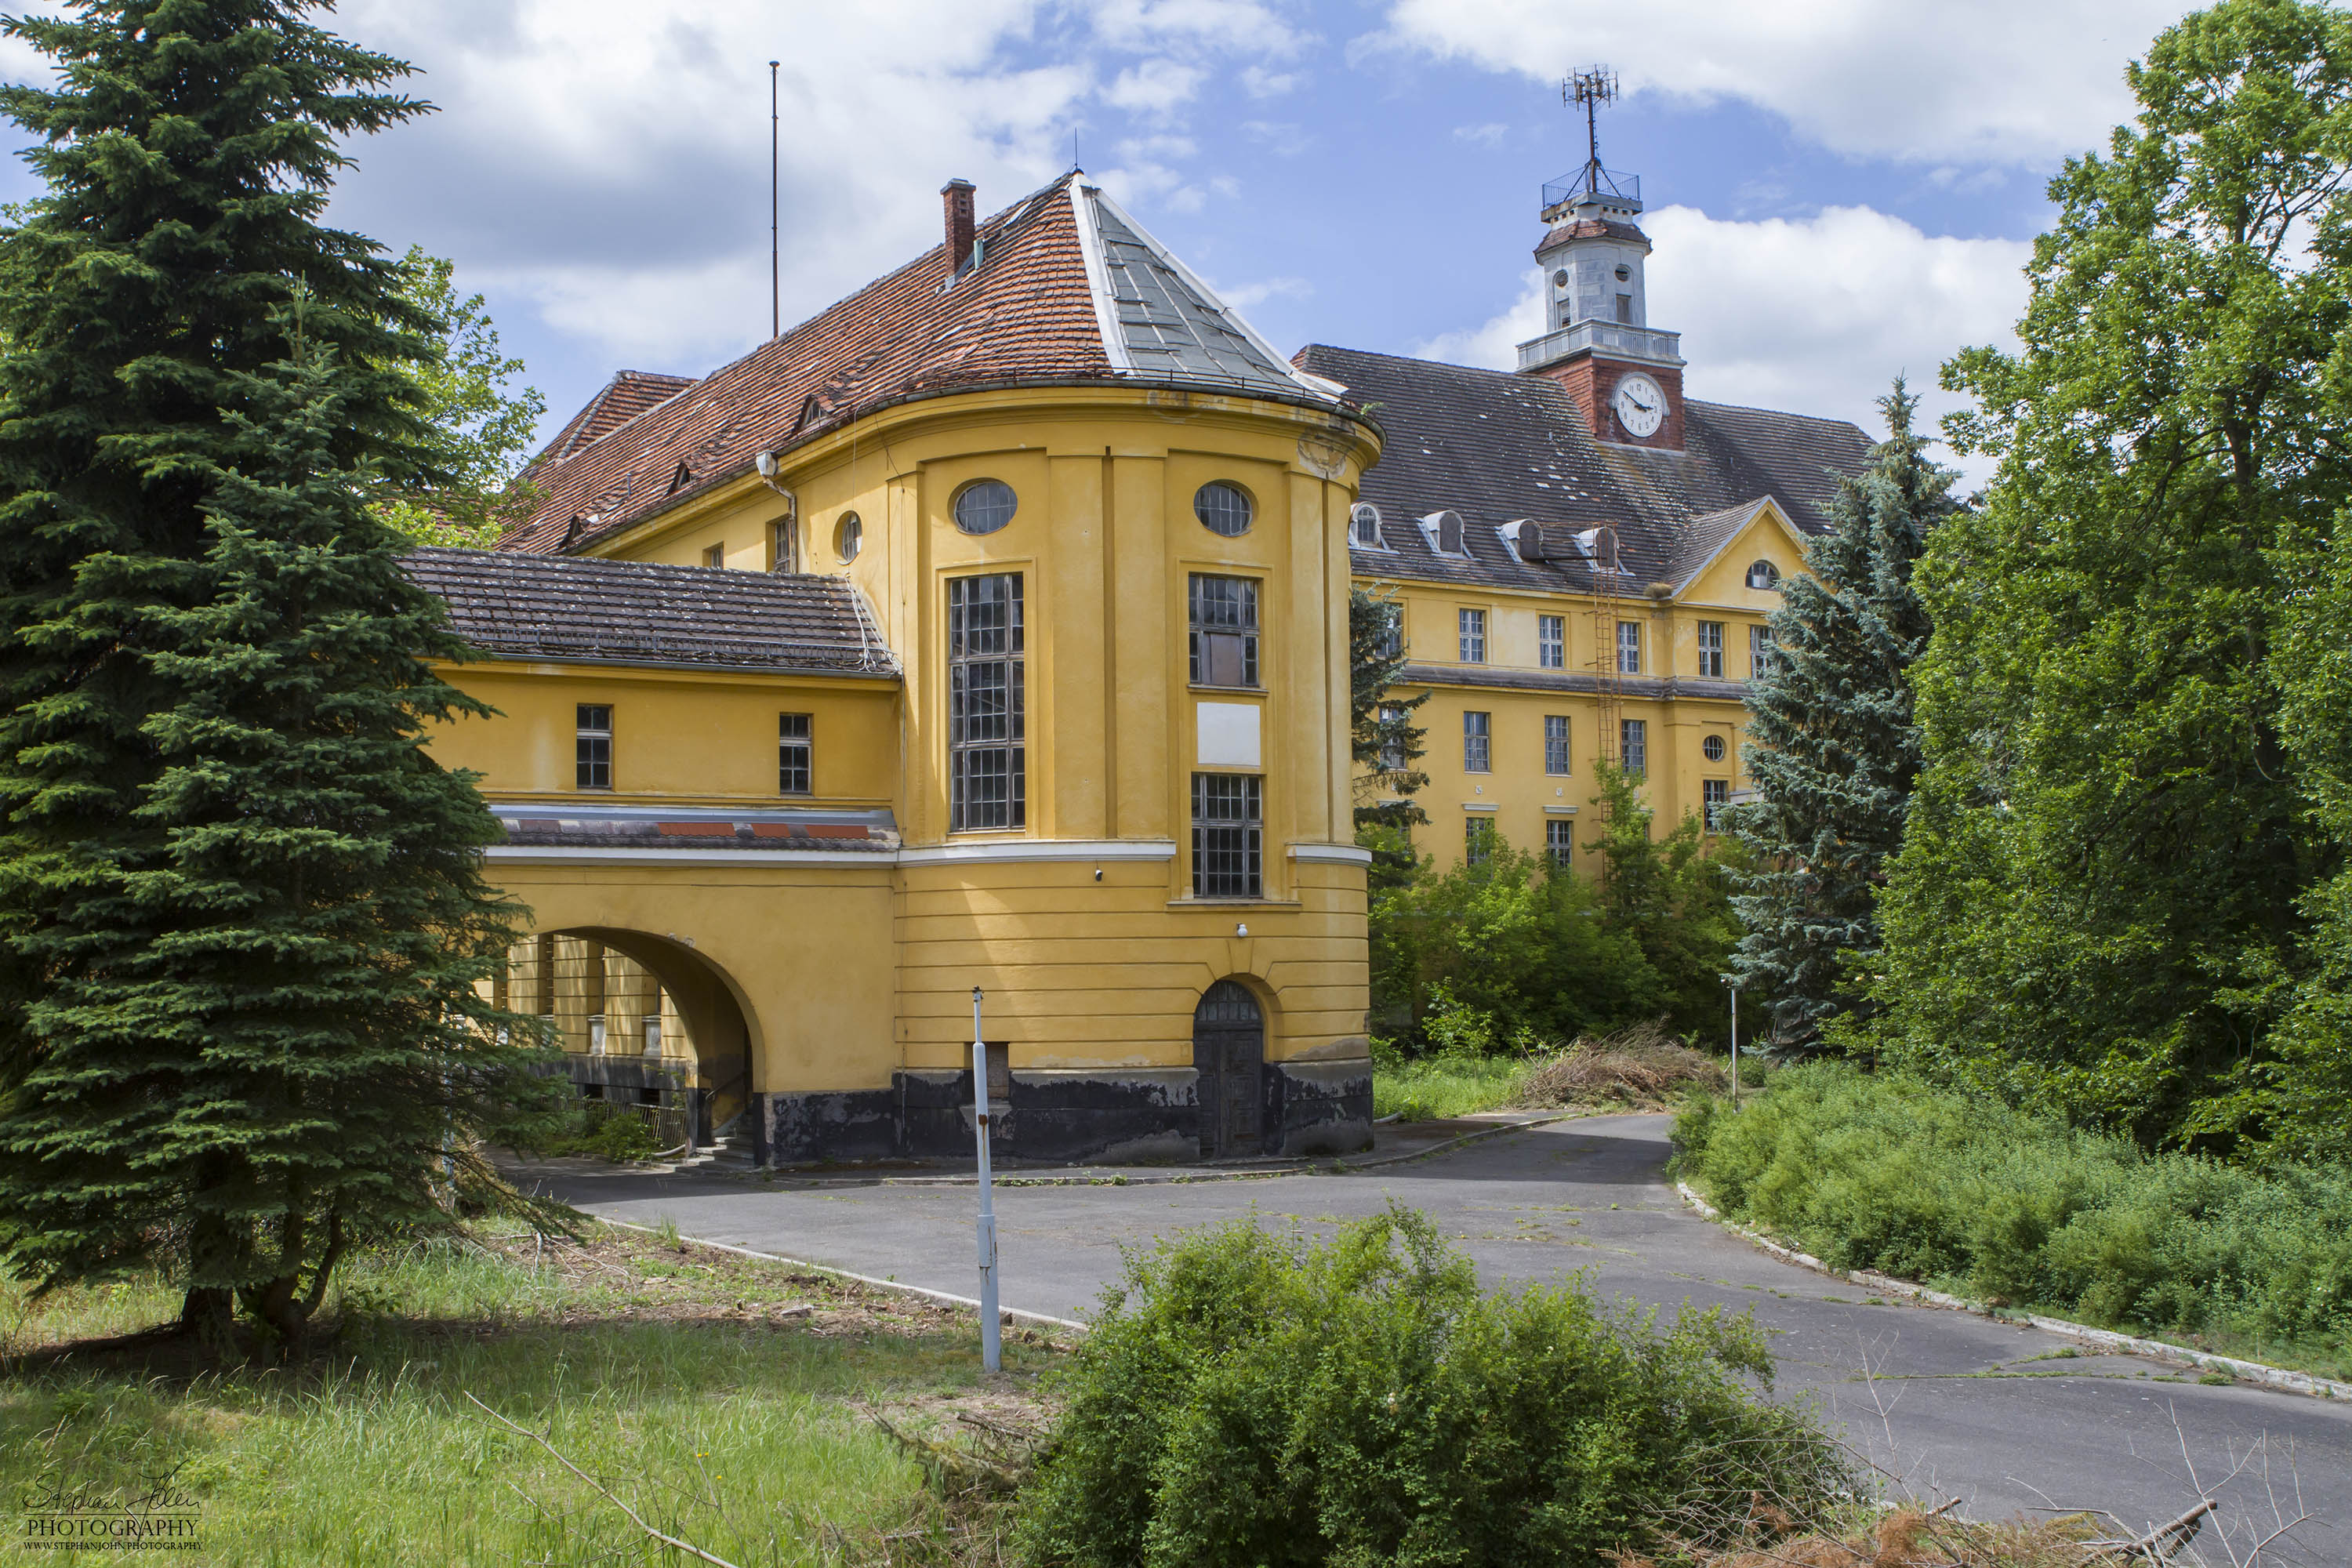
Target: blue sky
(1839,189)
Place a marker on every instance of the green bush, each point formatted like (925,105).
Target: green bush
(604,1131)
(1887,1172)
(1248,1396)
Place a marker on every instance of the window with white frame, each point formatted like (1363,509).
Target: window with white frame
(1556,744)
(1759,652)
(593,746)
(1228,835)
(1478,838)
(1477,752)
(1560,838)
(987,717)
(1391,748)
(1763,574)
(1633,747)
(1710,649)
(794,759)
(1225,631)
(1713,796)
(1364,526)
(1473,627)
(1628,648)
(1552,642)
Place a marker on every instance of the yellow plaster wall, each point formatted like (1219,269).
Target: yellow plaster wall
(678,736)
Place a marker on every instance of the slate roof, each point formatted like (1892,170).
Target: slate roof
(1497,447)
(581,609)
(1067,289)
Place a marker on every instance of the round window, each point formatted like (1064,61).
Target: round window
(1223,508)
(985,506)
(848,537)
(1763,574)
(1559,279)
(1713,747)
(1625,273)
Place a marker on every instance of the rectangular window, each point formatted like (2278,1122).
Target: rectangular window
(1473,636)
(1391,751)
(1393,633)
(793,768)
(1225,631)
(1477,754)
(1635,733)
(1477,839)
(1710,648)
(1552,642)
(1759,652)
(715,556)
(1628,648)
(988,778)
(1626,310)
(1713,796)
(1555,742)
(1560,838)
(594,749)
(1228,835)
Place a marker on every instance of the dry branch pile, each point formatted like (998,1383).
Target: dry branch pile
(1640,1065)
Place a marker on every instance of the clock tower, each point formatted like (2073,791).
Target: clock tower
(1597,341)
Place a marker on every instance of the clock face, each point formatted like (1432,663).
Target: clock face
(1639,405)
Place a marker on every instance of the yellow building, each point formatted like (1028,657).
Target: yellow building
(989,630)
(1584,558)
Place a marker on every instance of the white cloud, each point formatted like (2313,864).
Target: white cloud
(1260,82)
(1242,296)
(1155,86)
(1486,136)
(1815,316)
(1955,80)
(606,160)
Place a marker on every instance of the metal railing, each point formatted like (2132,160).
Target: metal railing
(1593,184)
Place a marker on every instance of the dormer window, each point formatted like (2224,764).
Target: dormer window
(1765,576)
(1364,526)
(681,479)
(1444,531)
(811,412)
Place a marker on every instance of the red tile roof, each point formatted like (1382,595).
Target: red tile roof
(1026,313)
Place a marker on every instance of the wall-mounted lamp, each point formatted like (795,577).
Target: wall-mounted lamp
(1240,930)
(1097,873)
(975,996)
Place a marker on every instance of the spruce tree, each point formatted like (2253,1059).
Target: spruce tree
(241,910)
(1382,739)
(1832,744)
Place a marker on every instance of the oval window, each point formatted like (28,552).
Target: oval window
(1559,279)
(1763,574)
(1713,747)
(1222,508)
(848,537)
(985,506)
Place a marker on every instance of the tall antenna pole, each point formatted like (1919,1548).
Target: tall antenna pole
(1590,90)
(775,251)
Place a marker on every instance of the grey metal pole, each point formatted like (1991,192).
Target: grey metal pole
(991,1350)
(1735,1045)
(775,209)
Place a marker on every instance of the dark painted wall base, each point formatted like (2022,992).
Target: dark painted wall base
(1118,1116)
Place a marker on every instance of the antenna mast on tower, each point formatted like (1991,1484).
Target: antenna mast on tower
(1588,90)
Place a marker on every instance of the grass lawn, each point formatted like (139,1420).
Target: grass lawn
(1429,1088)
(720,1397)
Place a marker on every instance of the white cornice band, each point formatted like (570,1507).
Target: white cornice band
(996,852)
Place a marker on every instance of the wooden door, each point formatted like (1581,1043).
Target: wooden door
(1228,1048)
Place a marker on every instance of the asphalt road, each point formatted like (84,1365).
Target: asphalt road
(1957,1404)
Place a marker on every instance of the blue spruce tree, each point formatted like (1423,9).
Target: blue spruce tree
(1832,744)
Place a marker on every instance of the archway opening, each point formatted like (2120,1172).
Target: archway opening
(1229,1054)
(647,1025)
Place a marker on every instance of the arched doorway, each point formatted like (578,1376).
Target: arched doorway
(643,1022)
(1229,1052)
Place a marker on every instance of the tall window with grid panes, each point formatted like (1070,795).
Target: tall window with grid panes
(1559,839)
(1473,627)
(1628,648)
(1228,835)
(593,746)
(1759,652)
(1633,746)
(987,747)
(1552,642)
(1710,649)
(795,762)
(1478,838)
(1225,631)
(1477,743)
(1556,744)
(1713,796)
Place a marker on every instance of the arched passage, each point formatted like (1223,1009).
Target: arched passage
(644,1020)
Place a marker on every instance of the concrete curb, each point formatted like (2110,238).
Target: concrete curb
(1161,1175)
(946,1297)
(2107,1338)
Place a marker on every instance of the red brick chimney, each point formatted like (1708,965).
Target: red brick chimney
(956,197)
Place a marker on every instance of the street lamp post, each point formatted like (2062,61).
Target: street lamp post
(1733,986)
(991,1350)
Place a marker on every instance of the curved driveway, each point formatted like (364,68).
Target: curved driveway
(1972,1407)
